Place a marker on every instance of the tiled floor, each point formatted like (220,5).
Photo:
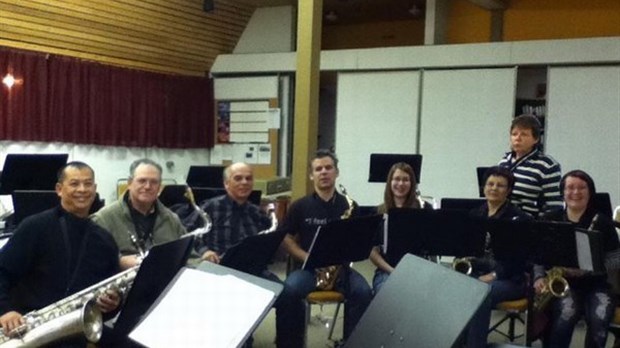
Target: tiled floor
(318,331)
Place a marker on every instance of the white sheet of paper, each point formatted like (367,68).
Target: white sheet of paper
(203,310)
(584,253)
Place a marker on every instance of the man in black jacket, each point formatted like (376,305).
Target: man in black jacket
(58,252)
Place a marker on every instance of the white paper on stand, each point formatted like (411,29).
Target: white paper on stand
(203,310)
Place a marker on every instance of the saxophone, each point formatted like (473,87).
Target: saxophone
(555,286)
(73,315)
(271,210)
(326,276)
(206,220)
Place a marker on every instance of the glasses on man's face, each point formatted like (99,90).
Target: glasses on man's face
(145,181)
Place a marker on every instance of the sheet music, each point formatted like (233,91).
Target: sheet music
(584,251)
(203,310)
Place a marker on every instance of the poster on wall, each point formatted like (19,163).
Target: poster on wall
(223,122)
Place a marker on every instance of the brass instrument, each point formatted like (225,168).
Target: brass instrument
(207,224)
(271,210)
(326,276)
(73,315)
(463,265)
(555,285)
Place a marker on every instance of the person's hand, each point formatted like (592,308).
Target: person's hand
(487,278)
(211,256)
(129,261)
(108,301)
(10,321)
(539,285)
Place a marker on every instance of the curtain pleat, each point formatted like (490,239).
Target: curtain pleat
(64,99)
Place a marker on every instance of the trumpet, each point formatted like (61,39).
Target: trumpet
(555,285)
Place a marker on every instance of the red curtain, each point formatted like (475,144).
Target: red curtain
(68,100)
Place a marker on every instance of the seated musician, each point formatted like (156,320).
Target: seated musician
(400,192)
(589,294)
(506,279)
(233,219)
(305,215)
(138,220)
(56,253)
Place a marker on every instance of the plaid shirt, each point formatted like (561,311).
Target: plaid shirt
(231,223)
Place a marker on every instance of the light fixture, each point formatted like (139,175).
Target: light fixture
(415,10)
(331,16)
(8,80)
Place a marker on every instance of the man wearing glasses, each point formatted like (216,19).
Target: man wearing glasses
(138,220)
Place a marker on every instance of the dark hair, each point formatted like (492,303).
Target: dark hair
(73,164)
(527,122)
(136,163)
(321,153)
(388,195)
(580,174)
(503,172)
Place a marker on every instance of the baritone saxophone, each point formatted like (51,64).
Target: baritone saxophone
(74,315)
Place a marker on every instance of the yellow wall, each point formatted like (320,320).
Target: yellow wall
(468,23)
(381,34)
(552,19)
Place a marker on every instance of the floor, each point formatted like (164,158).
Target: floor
(318,329)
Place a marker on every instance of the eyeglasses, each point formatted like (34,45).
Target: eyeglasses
(575,188)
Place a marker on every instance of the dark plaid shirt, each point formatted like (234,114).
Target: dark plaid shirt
(231,223)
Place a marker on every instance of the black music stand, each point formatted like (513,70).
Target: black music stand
(156,271)
(253,254)
(422,304)
(342,241)
(462,203)
(511,240)
(30,202)
(173,194)
(31,172)
(205,176)
(556,244)
(380,164)
(426,232)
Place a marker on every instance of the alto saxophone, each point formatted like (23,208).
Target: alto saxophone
(555,285)
(73,315)
(326,276)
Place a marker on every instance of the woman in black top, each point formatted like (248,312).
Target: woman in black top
(505,277)
(589,294)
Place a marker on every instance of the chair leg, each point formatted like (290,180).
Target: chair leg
(331,329)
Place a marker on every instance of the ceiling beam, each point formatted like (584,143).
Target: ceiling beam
(491,4)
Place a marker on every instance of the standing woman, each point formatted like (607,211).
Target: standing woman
(589,294)
(400,192)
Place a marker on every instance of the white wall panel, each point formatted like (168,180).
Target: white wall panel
(375,113)
(583,123)
(465,123)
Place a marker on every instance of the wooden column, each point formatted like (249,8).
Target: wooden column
(305,130)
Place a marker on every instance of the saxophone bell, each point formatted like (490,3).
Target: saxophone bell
(463,265)
(555,285)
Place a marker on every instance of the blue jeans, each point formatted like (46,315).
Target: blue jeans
(291,310)
(500,290)
(596,306)
(378,280)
